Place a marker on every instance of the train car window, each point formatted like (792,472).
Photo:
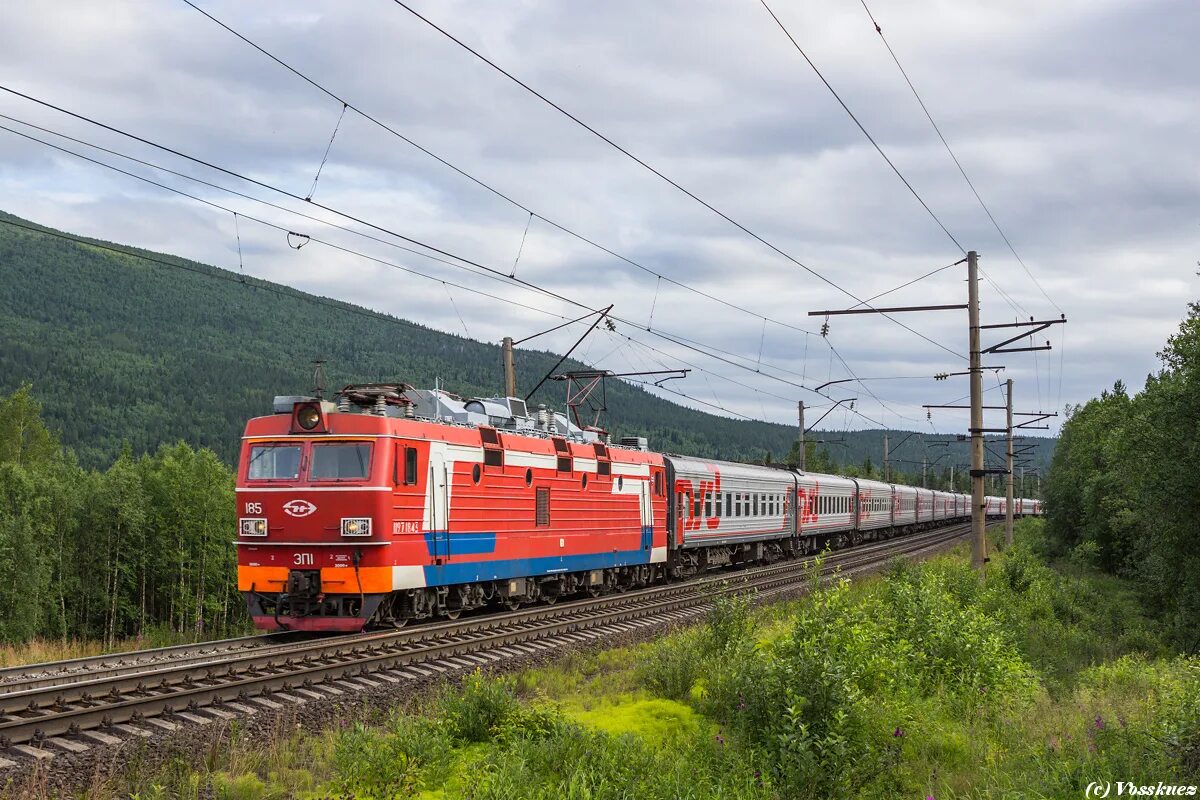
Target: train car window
(696,507)
(271,462)
(340,461)
(493,458)
(476,474)
(754,506)
(543,507)
(729,504)
(410,465)
(658,484)
(708,506)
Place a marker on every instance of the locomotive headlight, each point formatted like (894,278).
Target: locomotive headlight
(308,417)
(253,526)
(356,526)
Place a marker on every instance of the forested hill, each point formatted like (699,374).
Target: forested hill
(122,350)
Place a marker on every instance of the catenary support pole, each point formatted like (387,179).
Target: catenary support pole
(510,369)
(802,454)
(887,464)
(1008,495)
(978,521)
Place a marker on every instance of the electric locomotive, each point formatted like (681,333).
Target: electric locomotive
(393,504)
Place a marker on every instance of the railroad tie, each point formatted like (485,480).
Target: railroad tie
(67,744)
(33,752)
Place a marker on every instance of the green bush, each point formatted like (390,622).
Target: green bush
(479,707)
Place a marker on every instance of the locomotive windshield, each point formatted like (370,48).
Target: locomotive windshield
(349,461)
(274,462)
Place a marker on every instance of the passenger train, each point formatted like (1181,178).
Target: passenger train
(395,504)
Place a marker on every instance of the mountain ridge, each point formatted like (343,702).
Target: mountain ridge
(122,351)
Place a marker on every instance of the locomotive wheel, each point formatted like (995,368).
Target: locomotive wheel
(595,591)
(512,605)
(399,623)
(549,599)
(453,613)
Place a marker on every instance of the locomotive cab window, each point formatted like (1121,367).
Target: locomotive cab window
(345,461)
(274,462)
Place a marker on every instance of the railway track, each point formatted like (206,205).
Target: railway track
(72,705)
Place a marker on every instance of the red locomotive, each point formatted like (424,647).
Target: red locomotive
(396,503)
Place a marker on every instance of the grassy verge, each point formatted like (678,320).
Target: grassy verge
(920,684)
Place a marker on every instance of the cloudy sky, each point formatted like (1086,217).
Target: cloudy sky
(1077,122)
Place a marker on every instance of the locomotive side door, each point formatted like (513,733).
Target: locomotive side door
(437,502)
(647,514)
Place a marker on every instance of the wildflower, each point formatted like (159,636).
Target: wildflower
(1099,723)
(720,737)
(1121,720)
(898,733)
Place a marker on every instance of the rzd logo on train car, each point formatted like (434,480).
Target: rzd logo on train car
(298,508)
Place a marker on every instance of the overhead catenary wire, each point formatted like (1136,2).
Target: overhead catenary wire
(455,260)
(659,277)
(861,127)
(332,210)
(950,151)
(663,176)
(266,223)
(346,104)
(280,228)
(231,277)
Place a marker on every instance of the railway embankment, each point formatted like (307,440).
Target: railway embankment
(922,683)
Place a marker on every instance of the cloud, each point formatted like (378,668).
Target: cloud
(1076,121)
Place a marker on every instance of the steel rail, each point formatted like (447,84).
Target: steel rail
(23,674)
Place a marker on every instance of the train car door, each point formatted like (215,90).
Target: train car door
(437,502)
(647,515)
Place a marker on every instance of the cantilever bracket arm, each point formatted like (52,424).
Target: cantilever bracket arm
(1037,327)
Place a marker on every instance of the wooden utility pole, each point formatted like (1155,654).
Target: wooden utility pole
(978,521)
(1008,506)
(510,369)
(801,440)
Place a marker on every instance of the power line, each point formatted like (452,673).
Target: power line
(500,275)
(696,347)
(870,138)
(346,104)
(491,272)
(646,165)
(906,284)
(231,277)
(957,163)
(280,228)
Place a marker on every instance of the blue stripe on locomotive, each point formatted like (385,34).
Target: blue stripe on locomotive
(461,544)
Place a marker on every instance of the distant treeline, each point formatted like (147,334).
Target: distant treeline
(1124,488)
(126,353)
(138,548)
